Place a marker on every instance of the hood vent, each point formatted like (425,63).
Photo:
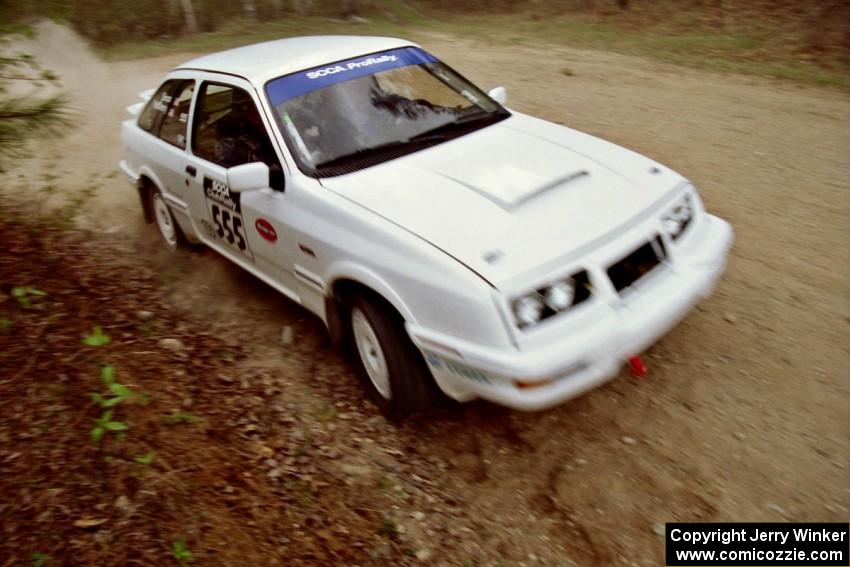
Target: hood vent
(551,185)
(522,199)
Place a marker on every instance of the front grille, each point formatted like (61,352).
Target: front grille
(637,264)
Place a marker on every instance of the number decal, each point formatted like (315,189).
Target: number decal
(227,224)
(237,230)
(225,220)
(215,215)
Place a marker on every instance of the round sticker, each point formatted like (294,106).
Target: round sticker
(266,230)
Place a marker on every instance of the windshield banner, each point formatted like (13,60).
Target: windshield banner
(303,82)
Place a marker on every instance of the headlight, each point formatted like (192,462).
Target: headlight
(560,295)
(677,219)
(544,302)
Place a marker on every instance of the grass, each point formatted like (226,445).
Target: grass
(239,33)
(751,53)
(756,52)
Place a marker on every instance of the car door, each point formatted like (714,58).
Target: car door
(227,130)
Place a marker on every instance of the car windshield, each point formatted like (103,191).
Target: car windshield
(344,116)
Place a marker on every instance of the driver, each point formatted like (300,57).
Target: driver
(240,134)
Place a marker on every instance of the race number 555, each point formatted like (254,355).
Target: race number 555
(229,225)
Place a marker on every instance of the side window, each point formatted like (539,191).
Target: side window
(228,130)
(175,121)
(151,116)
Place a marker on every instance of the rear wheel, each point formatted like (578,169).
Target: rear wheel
(163,218)
(390,366)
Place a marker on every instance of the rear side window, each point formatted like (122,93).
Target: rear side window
(158,104)
(176,118)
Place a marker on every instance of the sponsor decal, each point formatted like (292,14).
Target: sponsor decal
(220,193)
(350,65)
(266,230)
(439,363)
(300,83)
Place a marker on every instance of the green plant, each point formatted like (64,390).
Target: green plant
(388,527)
(5,325)
(385,483)
(23,294)
(107,374)
(26,111)
(147,458)
(39,559)
(324,414)
(97,338)
(178,416)
(118,393)
(103,424)
(181,551)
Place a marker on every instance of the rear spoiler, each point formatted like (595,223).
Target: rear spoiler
(134,109)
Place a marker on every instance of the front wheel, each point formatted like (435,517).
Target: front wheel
(390,366)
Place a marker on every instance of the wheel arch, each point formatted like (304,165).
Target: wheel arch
(147,182)
(413,388)
(340,287)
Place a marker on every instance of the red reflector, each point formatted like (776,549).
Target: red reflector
(526,384)
(638,368)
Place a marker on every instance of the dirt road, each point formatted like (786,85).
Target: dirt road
(744,415)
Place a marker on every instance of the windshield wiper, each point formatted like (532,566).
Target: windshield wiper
(380,149)
(361,153)
(443,130)
(434,135)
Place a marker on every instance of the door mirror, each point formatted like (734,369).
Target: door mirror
(499,94)
(248,177)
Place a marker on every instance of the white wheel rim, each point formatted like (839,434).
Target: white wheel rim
(371,353)
(164,220)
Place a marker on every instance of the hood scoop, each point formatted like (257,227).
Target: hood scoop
(510,197)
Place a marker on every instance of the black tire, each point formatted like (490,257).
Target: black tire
(163,216)
(411,387)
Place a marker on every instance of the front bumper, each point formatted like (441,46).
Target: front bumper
(547,374)
(128,173)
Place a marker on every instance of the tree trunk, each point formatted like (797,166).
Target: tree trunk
(347,8)
(277,7)
(189,14)
(301,7)
(250,9)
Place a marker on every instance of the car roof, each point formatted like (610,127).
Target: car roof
(263,61)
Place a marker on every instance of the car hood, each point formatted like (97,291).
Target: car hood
(512,196)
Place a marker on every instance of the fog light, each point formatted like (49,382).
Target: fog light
(671,226)
(676,220)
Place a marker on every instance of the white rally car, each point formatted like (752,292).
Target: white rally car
(458,246)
